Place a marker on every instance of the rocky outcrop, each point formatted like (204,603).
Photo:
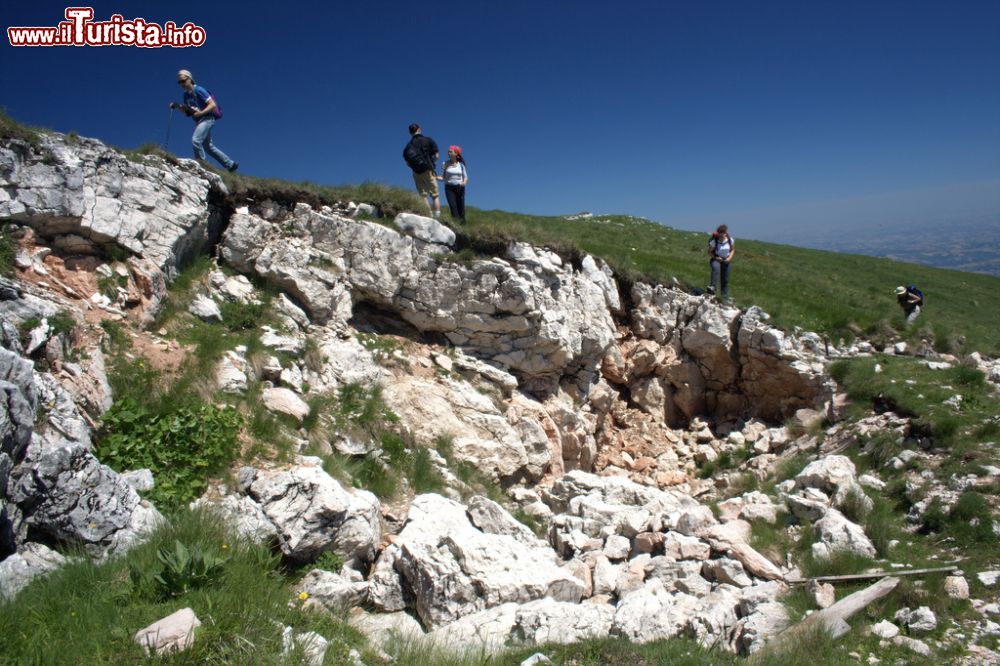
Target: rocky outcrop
(83,192)
(454,564)
(711,359)
(527,312)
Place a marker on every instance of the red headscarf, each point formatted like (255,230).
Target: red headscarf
(457,149)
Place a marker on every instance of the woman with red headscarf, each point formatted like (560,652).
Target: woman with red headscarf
(455,179)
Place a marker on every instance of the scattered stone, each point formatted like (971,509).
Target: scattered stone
(617,547)
(140,479)
(285,401)
(425,228)
(920,619)
(173,633)
(988,578)
(681,547)
(313,645)
(885,629)
(536,659)
(956,587)
(206,309)
(823,594)
(913,645)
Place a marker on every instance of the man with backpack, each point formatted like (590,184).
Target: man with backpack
(421,155)
(203,109)
(721,250)
(911,300)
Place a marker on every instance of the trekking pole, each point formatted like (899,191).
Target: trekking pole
(170,119)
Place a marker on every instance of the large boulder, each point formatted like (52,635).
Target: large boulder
(64,492)
(503,445)
(313,513)
(455,567)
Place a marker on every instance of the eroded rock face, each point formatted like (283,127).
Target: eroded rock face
(717,360)
(85,190)
(64,492)
(455,568)
(528,313)
(504,445)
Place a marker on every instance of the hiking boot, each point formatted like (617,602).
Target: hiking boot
(710,291)
(234,167)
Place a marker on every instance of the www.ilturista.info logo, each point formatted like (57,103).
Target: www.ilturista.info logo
(79,29)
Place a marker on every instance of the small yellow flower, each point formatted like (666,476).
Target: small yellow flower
(225,546)
(92,526)
(303,596)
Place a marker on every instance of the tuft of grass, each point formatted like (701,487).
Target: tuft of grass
(389,200)
(11,129)
(841,562)
(8,249)
(116,340)
(62,322)
(880,448)
(880,525)
(150,149)
(855,505)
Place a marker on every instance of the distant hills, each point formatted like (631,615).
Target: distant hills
(972,245)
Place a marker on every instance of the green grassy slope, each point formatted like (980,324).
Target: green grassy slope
(831,293)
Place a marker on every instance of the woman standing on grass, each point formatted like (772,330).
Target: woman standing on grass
(455,179)
(721,250)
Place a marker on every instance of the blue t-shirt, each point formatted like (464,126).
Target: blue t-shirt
(198,98)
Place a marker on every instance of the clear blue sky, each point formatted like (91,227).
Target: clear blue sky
(768,115)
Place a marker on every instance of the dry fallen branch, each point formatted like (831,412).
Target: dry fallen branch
(873,574)
(834,618)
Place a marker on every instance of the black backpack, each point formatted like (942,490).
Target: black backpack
(415,157)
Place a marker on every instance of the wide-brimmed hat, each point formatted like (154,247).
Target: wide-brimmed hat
(900,291)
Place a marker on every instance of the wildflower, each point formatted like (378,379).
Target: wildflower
(225,546)
(303,596)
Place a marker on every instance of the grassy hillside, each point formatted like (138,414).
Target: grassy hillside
(841,295)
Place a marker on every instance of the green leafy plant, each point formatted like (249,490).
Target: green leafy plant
(182,569)
(182,443)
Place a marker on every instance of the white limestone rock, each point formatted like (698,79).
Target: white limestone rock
(455,569)
(840,534)
(31,561)
(333,591)
(313,513)
(174,633)
(285,401)
(426,229)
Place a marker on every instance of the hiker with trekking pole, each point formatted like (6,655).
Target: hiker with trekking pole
(201,107)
